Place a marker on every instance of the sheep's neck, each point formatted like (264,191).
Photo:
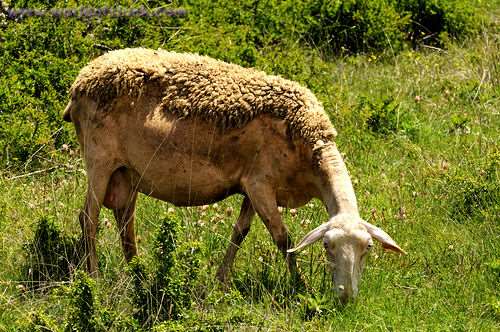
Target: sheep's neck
(338,193)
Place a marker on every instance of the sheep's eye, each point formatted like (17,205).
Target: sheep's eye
(325,245)
(370,245)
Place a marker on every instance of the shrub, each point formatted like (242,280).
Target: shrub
(434,21)
(356,26)
(82,313)
(385,116)
(40,56)
(141,296)
(40,322)
(86,314)
(162,294)
(50,256)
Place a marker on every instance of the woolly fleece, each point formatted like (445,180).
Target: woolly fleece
(193,85)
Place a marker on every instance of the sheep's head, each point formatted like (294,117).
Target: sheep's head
(347,240)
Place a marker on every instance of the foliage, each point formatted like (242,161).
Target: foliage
(433,22)
(140,295)
(85,312)
(162,294)
(385,116)
(50,255)
(82,314)
(356,26)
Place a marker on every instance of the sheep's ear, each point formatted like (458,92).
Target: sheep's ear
(378,234)
(311,237)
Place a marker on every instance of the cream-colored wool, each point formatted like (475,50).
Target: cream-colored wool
(194,85)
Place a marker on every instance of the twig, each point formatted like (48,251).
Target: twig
(435,48)
(33,173)
(102,47)
(28,161)
(406,287)
(480,85)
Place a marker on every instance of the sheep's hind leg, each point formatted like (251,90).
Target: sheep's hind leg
(240,231)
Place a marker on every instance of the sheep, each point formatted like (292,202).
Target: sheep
(192,130)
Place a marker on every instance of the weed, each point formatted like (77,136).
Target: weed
(40,322)
(385,116)
(162,294)
(312,305)
(50,255)
(82,315)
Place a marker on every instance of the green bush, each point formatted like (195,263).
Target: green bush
(86,314)
(354,26)
(435,21)
(37,71)
(82,313)
(164,293)
(385,116)
(40,57)
(141,296)
(50,255)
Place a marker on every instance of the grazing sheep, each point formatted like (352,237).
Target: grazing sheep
(192,130)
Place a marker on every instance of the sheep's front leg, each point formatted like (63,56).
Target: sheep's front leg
(125,217)
(263,200)
(89,216)
(240,231)
(121,198)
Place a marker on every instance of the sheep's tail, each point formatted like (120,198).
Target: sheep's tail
(67,111)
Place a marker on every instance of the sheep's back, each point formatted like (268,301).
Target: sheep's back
(193,85)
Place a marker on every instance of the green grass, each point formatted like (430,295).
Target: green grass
(419,181)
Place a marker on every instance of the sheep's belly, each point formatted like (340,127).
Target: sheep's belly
(186,186)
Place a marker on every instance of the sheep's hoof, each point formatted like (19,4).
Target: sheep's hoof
(221,275)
